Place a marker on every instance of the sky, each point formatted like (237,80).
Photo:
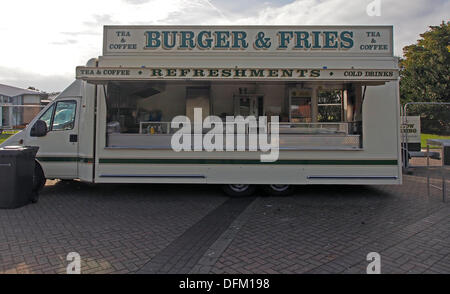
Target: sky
(43,41)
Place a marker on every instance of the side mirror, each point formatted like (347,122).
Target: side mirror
(39,129)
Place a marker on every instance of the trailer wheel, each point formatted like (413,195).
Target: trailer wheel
(39,178)
(238,190)
(279,190)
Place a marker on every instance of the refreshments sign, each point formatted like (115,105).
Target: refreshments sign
(251,40)
(183,73)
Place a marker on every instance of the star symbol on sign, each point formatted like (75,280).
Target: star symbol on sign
(140,72)
(331,73)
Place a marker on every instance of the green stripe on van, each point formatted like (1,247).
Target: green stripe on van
(222,161)
(64,159)
(57,159)
(245,161)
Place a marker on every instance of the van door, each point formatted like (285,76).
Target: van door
(58,149)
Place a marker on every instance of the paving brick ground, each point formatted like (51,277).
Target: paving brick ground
(115,228)
(320,229)
(323,230)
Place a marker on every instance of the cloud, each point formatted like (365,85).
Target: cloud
(136,1)
(24,79)
(66,42)
(409,18)
(196,12)
(100,20)
(248,7)
(53,37)
(81,33)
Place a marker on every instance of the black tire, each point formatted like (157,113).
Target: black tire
(238,190)
(38,179)
(279,190)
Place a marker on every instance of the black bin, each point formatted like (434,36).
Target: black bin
(446,155)
(17,165)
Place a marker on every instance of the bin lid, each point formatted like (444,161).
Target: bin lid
(15,150)
(12,147)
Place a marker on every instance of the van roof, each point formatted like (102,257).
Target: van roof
(73,90)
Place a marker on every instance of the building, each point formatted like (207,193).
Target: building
(18,106)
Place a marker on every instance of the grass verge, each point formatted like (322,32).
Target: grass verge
(425,137)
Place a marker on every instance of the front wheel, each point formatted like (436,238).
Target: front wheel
(279,190)
(238,190)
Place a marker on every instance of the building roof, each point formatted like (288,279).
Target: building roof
(53,95)
(11,91)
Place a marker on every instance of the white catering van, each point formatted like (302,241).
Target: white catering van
(333,89)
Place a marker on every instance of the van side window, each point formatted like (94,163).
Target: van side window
(47,116)
(64,118)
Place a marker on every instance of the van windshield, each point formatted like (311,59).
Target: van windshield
(47,116)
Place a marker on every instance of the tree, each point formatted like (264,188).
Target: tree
(424,77)
(33,89)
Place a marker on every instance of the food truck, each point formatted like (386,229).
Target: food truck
(331,91)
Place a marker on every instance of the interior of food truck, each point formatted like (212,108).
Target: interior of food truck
(311,115)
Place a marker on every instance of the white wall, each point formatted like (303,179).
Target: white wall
(31,99)
(222,95)
(171,102)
